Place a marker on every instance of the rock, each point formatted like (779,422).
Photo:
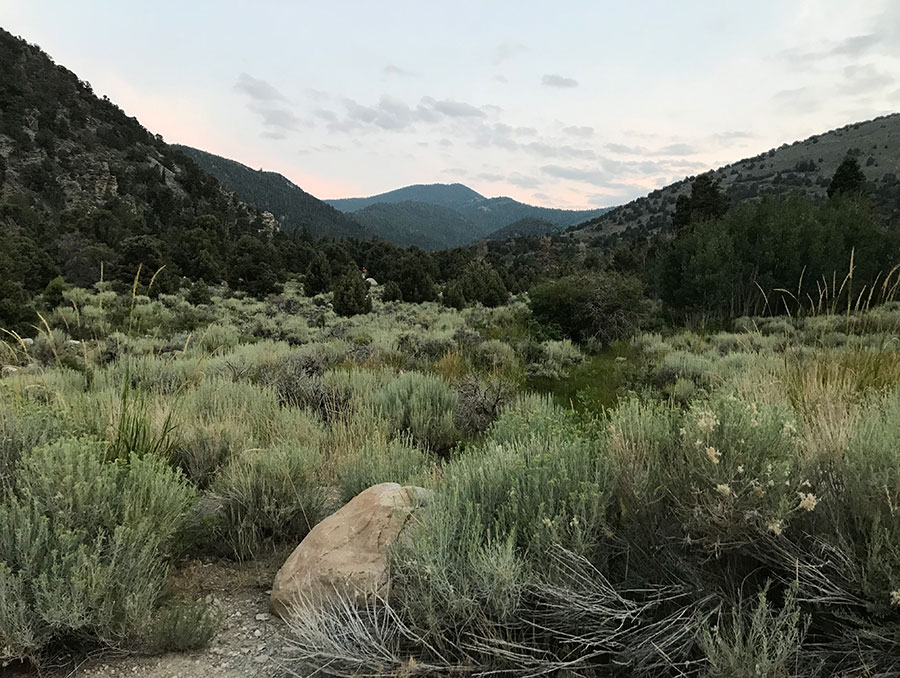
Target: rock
(8,370)
(372,282)
(346,554)
(262,616)
(28,341)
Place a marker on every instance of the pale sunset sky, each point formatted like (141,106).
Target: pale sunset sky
(563,104)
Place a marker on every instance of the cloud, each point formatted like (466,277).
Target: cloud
(556,80)
(393,114)
(501,79)
(797,100)
(266,101)
(589,176)
(680,149)
(508,50)
(865,79)
(259,90)
(325,114)
(677,149)
(580,132)
(393,70)
(454,109)
(446,142)
(546,150)
(523,181)
(279,117)
(627,150)
(733,135)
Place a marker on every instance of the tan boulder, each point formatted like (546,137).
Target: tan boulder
(346,554)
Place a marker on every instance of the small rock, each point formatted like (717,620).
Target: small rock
(257,633)
(263,616)
(261,658)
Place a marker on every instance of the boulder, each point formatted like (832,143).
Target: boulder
(346,554)
(8,371)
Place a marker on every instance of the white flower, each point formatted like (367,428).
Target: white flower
(707,421)
(895,598)
(775,526)
(808,501)
(723,489)
(713,454)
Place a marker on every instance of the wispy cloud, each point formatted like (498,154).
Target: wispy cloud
(256,89)
(507,50)
(268,103)
(556,80)
(584,132)
(392,70)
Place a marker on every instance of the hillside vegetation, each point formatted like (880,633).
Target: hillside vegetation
(295,210)
(803,167)
(667,451)
(405,212)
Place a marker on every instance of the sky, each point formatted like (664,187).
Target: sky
(573,104)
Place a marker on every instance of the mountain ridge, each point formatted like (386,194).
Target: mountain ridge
(804,166)
(294,209)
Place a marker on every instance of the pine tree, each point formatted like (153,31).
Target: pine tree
(848,179)
(318,275)
(705,202)
(351,294)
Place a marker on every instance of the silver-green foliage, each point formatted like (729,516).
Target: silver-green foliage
(421,405)
(268,496)
(395,461)
(84,545)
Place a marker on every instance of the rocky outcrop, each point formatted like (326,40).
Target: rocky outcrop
(346,554)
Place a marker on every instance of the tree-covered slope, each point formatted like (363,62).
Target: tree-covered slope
(445,195)
(294,209)
(523,228)
(430,227)
(86,191)
(805,167)
(476,217)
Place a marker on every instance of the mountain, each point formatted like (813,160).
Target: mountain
(523,228)
(475,216)
(431,227)
(804,167)
(86,191)
(445,195)
(294,209)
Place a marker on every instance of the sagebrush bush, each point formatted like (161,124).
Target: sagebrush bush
(84,545)
(382,461)
(488,533)
(421,405)
(269,496)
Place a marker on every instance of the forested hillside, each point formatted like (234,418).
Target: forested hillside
(294,209)
(86,192)
(803,167)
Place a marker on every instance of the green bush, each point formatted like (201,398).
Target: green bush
(268,497)
(83,547)
(351,294)
(421,405)
(380,461)
(486,540)
(607,306)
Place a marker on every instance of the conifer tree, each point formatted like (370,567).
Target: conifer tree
(351,294)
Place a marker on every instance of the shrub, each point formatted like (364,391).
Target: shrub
(382,461)
(351,294)
(269,497)
(421,405)
(83,547)
(608,306)
(483,543)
